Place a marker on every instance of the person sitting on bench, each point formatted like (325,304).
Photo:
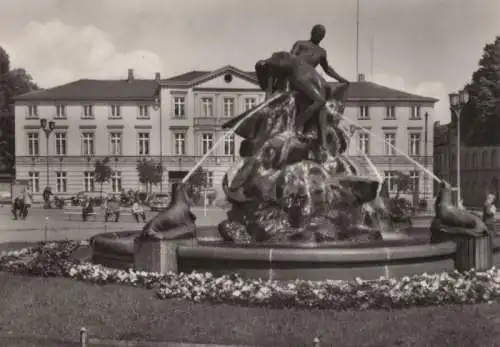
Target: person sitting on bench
(138,211)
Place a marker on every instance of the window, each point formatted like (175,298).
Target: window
(390,143)
(207,141)
(116,143)
(88,181)
(207,107)
(364,112)
(415,140)
(34,182)
(180,143)
(466,161)
(415,180)
(484,160)
(493,159)
(61,143)
(116,182)
(229,145)
(33,144)
(390,178)
(115,111)
(179,107)
(61,111)
(209,179)
(228,107)
(87,143)
(415,112)
(250,103)
(474,160)
(143,139)
(32,111)
(88,111)
(390,112)
(61,182)
(364,143)
(144,111)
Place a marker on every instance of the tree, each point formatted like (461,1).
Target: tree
(13,82)
(149,172)
(480,118)
(102,171)
(403,183)
(196,183)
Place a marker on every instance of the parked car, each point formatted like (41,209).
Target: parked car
(159,202)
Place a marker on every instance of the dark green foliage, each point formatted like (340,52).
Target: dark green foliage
(13,82)
(480,118)
(102,171)
(149,172)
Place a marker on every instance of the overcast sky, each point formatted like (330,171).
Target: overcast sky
(429,47)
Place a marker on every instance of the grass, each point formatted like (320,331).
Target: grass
(58,308)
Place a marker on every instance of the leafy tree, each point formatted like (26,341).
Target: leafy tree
(13,82)
(480,118)
(149,172)
(196,183)
(102,171)
(403,183)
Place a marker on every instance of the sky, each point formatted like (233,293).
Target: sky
(428,47)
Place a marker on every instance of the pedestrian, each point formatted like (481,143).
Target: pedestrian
(489,213)
(138,211)
(28,200)
(87,208)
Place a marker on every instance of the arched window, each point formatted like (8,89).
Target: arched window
(474,160)
(484,159)
(493,159)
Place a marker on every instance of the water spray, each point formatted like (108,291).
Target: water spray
(423,168)
(227,134)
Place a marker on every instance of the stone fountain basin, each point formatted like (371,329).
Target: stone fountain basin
(404,256)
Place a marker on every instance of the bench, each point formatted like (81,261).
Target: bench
(79,213)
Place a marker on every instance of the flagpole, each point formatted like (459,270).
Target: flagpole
(357,39)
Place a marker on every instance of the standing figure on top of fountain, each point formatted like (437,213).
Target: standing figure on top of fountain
(299,69)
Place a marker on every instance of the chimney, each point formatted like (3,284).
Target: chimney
(361,77)
(130,75)
(157,77)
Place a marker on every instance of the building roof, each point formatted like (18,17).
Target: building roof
(192,76)
(363,90)
(142,89)
(89,89)
(366,90)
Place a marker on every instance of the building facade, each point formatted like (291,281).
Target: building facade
(177,121)
(479,166)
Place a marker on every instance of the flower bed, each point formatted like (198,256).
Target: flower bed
(54,259)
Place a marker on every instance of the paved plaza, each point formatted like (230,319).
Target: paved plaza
(55,225)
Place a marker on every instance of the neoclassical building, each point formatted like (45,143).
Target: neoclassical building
(177,120)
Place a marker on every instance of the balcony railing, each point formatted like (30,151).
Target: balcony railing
(209,121)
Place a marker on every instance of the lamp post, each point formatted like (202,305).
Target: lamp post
(457,103)
(48,128)
(156,107)
(426,144)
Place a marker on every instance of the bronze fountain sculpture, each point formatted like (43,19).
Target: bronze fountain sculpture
(293,182)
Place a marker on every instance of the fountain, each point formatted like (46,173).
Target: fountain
(300,207)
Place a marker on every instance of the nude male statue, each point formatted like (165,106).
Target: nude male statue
(299,68)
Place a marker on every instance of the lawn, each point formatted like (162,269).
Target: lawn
(58,308)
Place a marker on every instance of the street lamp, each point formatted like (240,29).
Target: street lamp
(156,107)
(48,128)
(457,103)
